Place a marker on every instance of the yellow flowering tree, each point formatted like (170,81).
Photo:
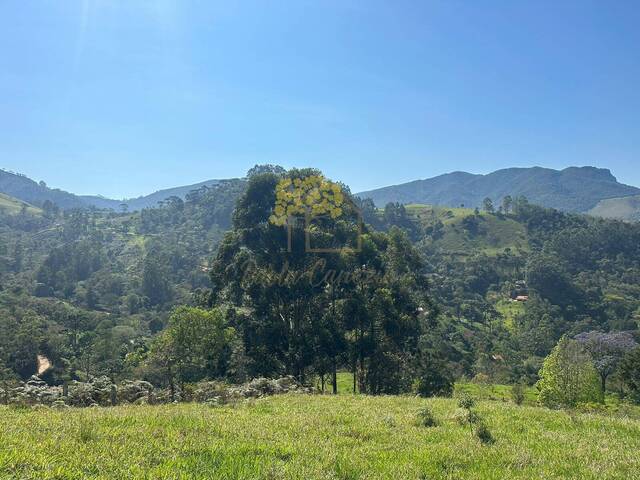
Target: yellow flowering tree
(309,196)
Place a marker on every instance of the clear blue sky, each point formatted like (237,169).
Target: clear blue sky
(122,97)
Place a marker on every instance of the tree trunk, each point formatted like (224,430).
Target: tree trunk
(355,373)
(334,377)
(172,386)
(114,396)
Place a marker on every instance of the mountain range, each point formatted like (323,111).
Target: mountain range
(36,193)
(575,189)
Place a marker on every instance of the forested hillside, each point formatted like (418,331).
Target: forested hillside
(37,193)
(433,294)
(574,189)
(86,287)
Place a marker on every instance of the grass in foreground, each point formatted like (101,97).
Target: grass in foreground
(313,437)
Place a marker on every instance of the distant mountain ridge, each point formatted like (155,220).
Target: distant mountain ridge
(22,187)
(574,189)
(147,201)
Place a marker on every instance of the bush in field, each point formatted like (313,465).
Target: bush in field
(517,393)
(483,433)
(467,418)
(466,401)
(426,417)
(471,418)
(568,377)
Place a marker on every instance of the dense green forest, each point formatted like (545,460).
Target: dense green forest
(206,288)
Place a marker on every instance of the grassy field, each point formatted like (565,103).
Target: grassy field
(12,206)
(625,208)
(509,310)
(314,437)
(495,233)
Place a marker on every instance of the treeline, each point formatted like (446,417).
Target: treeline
(167,296)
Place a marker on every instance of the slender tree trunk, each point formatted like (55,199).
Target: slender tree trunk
(334,372)
(172,386)
(355,372)
(334,377)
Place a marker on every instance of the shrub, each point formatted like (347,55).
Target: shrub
(473,419)
(389,421)
(80,394)
(97,391)
(592,407)
(484,434)
(466,401)
(467,418)
(135,391)
(481,379)
(517,393)
(426,417)
(209,391)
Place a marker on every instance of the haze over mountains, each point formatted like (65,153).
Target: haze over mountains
(574,189)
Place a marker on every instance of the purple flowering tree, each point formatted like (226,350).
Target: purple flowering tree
(606,351)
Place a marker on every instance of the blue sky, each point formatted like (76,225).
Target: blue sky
(122,98)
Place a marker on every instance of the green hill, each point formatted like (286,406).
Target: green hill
(12,205)
(22,187)
(465,232)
